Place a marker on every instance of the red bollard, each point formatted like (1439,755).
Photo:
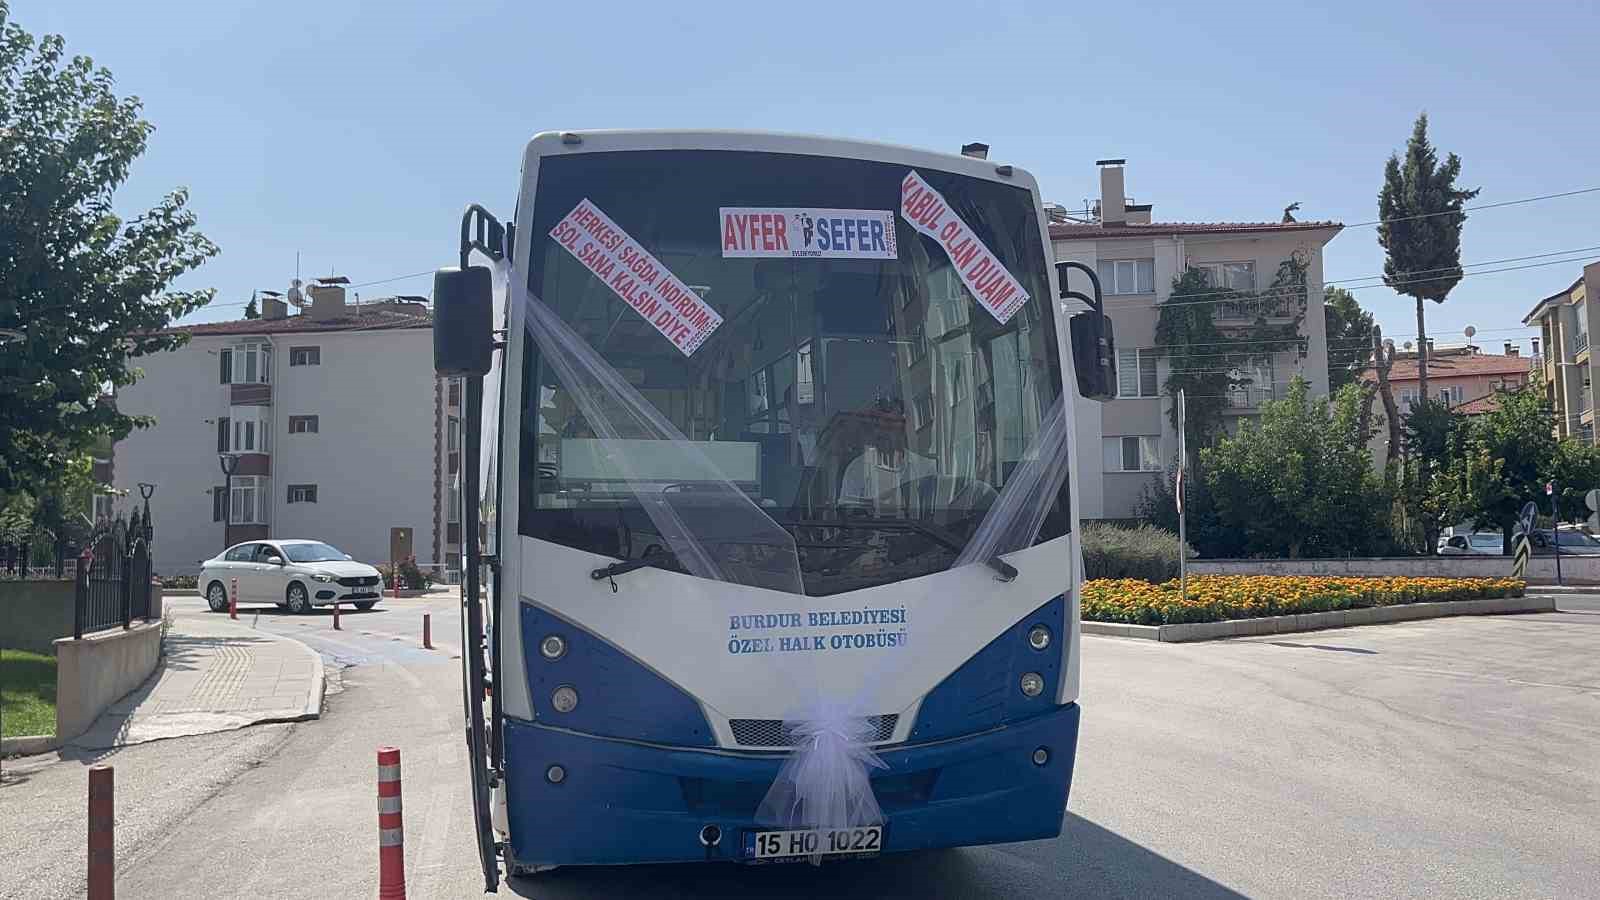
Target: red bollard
(102,837)
(391,832)
(336,616)
(233,600)
(427,631)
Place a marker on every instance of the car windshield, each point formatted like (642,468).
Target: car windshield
(861,395)
(312,552)
(1487,541)
(1577,539)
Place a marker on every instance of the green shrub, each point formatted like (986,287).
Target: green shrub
(181,582)
(411,576)
(1146,552)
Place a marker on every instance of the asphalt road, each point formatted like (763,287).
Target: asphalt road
(1449,757)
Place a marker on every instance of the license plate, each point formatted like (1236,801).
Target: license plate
(773,846)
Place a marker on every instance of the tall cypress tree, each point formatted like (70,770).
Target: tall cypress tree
(1420,209)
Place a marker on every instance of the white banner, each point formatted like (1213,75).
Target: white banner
(980,270)
(637,277)
(759,231)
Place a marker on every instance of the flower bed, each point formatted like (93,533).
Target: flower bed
(1215,598)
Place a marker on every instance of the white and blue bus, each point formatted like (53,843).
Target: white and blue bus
(865,341)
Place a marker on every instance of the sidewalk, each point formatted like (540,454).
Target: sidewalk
(216,675)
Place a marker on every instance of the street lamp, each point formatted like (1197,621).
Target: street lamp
(229,462)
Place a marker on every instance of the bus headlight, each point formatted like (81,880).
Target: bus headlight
(552,647)
(1032,685)
(565,698)
(1038,637)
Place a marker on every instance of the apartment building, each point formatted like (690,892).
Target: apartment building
(337,425)
(1131,439)
(1565,320)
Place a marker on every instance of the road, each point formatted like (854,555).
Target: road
(1443,758)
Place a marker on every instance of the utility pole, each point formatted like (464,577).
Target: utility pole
(1183,534)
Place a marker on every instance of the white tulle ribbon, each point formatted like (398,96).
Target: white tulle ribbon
(825,783)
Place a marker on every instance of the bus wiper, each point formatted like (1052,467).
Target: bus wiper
(628,565)
(1006,571)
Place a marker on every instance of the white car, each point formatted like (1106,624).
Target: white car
(295,575)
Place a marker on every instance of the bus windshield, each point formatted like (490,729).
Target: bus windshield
(867,401)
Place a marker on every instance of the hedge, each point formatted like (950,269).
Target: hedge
(1215,598)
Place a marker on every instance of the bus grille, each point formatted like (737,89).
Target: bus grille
(773,733)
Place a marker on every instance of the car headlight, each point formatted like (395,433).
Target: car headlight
(325,579)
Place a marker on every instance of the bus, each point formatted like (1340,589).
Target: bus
(770,545)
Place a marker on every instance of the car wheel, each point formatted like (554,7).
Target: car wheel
(299,601)
(365,605)
(217,597)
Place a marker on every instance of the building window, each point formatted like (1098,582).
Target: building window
(922,412)
(454,393)
(305,356)
(1452,395)
(919,344)
(247,364)
(302,493)
(1136,373)
(245,431)
(1408,398)
(219,503)
(247,504)
(1127,276)
(303,424)
(1233,276)
(453,515)
(958,382)
(1134,453)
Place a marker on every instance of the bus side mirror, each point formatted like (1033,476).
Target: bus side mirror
(463,321)
(1094,349)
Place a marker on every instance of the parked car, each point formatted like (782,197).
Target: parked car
(293,574)
(1573,543)
(1478,543)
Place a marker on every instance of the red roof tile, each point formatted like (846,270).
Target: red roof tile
(1447,366)
(367,317)
(1072,231)
(1477,406)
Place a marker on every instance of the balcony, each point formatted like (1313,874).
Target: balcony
(1250,397)
(1580,344)
(1253,308)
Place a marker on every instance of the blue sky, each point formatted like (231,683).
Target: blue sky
(355,132)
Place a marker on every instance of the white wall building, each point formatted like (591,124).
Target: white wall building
(340,428)
(1127,443)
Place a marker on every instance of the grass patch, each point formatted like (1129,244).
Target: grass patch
(1217,598)
(27,693)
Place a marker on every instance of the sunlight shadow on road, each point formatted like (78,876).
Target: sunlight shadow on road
(1086,861)
(1321,647)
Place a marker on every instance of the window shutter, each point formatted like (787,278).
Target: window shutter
(218,496)
(1127,372)
(222,435)
(227,366)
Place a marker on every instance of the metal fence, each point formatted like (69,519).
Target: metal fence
(113,576)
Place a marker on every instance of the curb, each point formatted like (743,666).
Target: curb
(28,745)
(1339,618)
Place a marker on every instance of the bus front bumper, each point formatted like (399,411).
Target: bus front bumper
(619,802)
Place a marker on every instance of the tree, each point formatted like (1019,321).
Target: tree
(90,291)
(250,311)
(1419,208)
(1500,461)
(1349,337)
(1201,355)
(1300,481)
(1575,470)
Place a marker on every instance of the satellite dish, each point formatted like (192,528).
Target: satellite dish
(296,296)
(1469,332)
